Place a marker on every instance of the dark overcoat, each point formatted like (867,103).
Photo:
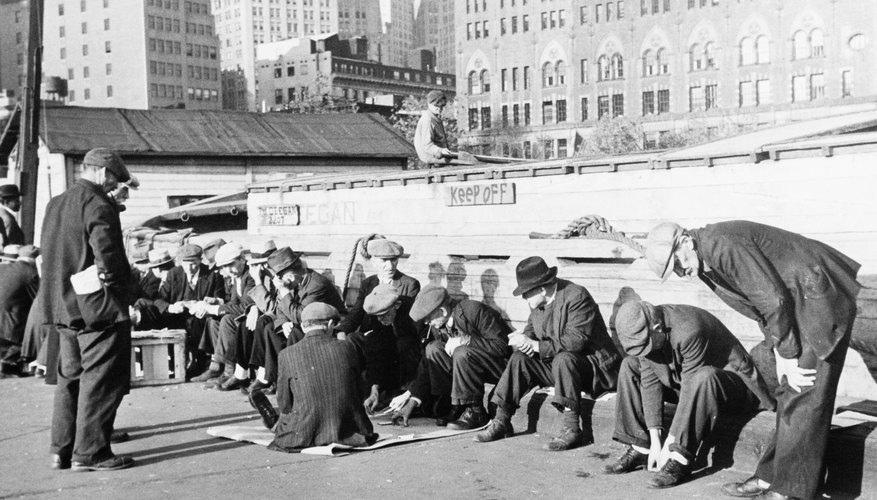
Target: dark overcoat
(10,231)
(19,283)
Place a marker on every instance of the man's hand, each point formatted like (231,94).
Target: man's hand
(796,377)
(445,152)
(454,342)
(399,401)
(252,318)
(665,451)
(134,314)
(371,402)
(654,450)
(176,308)
(198,309)
(213,301)
(402,415)
(287,328)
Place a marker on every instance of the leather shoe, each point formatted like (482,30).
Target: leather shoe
(771,495)
(569,438)
(233,383)
(119,437)
(257,385)
(260,402)
(60,463)
(630,461)
(472,418)
(113,463)
(744,489)
(671,474)
(450,416)
(207,375)
(497,429)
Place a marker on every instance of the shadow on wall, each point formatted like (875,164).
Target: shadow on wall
(489,285)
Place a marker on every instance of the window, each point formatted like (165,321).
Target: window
(82,9)
(473,118)
(561,110)
(514,24)
(106,24)
(584,109)
(503,80)
(817,43)
(817,86)
(762,49)
(469,32)
(649,63)
(709,55)
(528,149)
(61,32)
(548,148)
(663,101)
(697,58)
(108,48)
(747,94)
(109,68)
(617,105)
(548,75)
(502,28)
(290,70)
(748,55)
(85,50)
(846,82)
(561,18)
(583,70)
(800,46)
(84,28)
(525,23)
(583,14)
(109,91)
(504,113)
(516,114)
(514,79)
(526,77)
(597,9)
(526,113)
(545,20)
(561,148)
(560,72)
(63,53)
(648,103)
(762,90)
(712,96)
(86,94)
(619,6)
(800,88)
(485,81)
(695,98)
(485,117)
(617,67)
(486,34)
(602,106)
(70,73)
(604,72)
(278,96)
(61,13)
(644,7)
(547,112)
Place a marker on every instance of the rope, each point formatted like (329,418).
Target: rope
(594,227)
(359,246)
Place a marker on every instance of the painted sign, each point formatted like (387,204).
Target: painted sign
(310,214)
(494,193)
(279,215)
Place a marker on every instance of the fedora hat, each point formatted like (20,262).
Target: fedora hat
(282,259)
(9,191)
(260,252)
(531,273)
(158,257)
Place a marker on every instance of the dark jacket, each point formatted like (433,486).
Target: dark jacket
(319,394)
(149,286)
(10,231)
(236,303)
(797,289)
(81,228)
(573,323)
(314,288)
(404,326)
(695,338)
(486,329)
(19,283)
(176,287)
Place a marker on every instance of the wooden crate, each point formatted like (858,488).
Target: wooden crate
(158,349)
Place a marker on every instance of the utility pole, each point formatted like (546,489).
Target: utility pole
(29,128)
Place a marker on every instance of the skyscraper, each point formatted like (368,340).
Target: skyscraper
(13,44)
(434,30)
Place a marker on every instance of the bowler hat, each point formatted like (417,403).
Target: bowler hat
(428,300)
(381,299)
(282,259)
(260,251)
(319,311)
(107,158)
(9,191)
(158,257)
(228,253)
(531,273)
(28,252)
(384,249)
(660,245)
(632,326)
(189,252)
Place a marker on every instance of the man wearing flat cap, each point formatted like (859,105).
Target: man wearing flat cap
(298,286)
(803,294)
(250,345)
(318,389)
(430,138)
(151,273)
(10,204)
(392,351)
(565,344)
(210,249)
(469,348)
(81,229)
(687,354)
(19,284)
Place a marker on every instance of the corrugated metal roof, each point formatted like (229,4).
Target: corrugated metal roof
(71,129)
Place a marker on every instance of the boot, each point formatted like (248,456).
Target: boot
(570,435)
(630,461)
(227,373)
(671,474)
(450,416)
(500,427)
(473,418)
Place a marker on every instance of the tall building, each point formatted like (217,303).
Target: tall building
(358,18)
(395,40)
(133,53)
(434,31)
(535,76)
(13,44)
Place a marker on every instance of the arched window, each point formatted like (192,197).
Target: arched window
(747,52)
(560,71)
(649,63)
(697,61)
(800,46)
(547,75)
(485,81)
(663,62)
(762,48)
(474,83)
(709,55)
(617,67)
(817,43)
(603,69)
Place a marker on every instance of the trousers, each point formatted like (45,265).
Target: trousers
(568,372)
(461,376)
(94,374)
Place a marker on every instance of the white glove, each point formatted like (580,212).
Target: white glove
(796,377)
(252,317)
(399,401)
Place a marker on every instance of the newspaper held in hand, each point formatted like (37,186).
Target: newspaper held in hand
(86,282)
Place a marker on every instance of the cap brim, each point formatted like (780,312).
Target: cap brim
(260,260)
(669,265)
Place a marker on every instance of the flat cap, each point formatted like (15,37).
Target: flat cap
(228,253)
(319,311)
(282,259)
(158,257)
(384,249)
(381,299)
(427,301)
(625,295)
(9,191)
(211,248)
(632,326)
(260,251)
(189,252)
(660,245)
(436,96)
(108,159)
(28,252)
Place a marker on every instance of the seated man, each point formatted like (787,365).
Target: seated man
(687,351)
(184,286)
(250,345)
(145,315)
(469,348)
(318,389)
(19,283)
(392,351)
(564,344)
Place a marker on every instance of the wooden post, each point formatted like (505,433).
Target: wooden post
(29,130)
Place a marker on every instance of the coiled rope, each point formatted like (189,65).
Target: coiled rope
(591,227)
(358,247)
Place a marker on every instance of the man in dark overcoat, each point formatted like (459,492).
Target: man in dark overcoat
(681,353)
(565,345)
(10,203)
(392,352)
(319,387)
(19,284)
(469,348)
(81,229)
(802,293)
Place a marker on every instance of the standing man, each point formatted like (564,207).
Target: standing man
(803,294)
(19,283)
(10,203)
(565,344)
(686,352)
(81,232)
(430,139)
